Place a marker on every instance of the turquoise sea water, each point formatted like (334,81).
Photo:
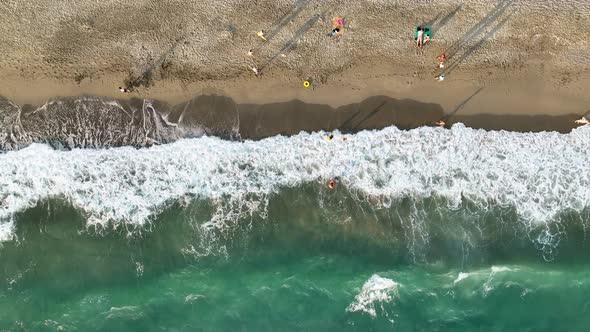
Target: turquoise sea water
(477,244)
(300,273)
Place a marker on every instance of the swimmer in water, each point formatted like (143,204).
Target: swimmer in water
(329,137)
(331,184)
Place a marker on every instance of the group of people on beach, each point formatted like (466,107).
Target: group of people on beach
(336,32)
(421,37)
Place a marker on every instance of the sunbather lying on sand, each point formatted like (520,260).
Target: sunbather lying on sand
(337,27)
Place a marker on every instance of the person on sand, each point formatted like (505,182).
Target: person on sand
(582,121)
(124,90)
(337,27)
(261,35)
(256,71)
(441,58)
(440,123)
(420,37)
(440,77)
(425,40)
(333,32)
(331,184)
(250,52)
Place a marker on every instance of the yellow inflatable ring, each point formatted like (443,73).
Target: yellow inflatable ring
(306,84)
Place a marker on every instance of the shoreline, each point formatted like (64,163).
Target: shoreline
(97,122)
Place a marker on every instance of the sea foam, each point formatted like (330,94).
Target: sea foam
(539,174)
(376,291)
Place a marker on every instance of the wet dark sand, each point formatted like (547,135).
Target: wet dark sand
(259,121)
(93,122)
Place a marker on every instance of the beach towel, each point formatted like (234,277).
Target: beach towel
(337,22)
(426,31)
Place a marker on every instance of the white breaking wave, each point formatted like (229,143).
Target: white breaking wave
(461,276)
(489,272)
(6,231)
(377,290)
(540,174)
(497,269)
(488,285)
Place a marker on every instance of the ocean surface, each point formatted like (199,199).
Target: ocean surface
(429,229)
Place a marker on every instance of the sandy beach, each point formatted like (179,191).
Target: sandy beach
(511,65)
